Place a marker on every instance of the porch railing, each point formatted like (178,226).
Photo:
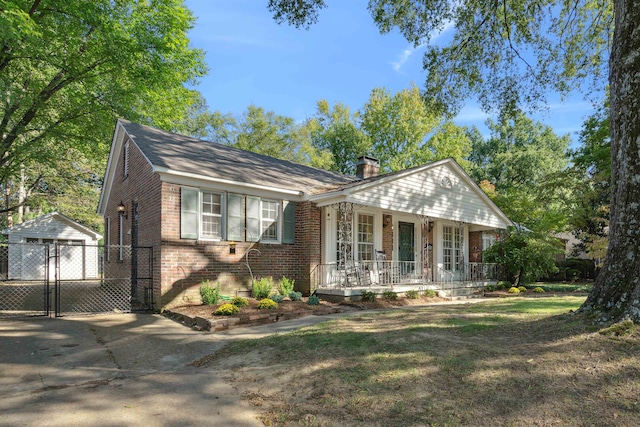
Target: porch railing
(389,273)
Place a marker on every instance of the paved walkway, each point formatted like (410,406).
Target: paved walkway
(121,369)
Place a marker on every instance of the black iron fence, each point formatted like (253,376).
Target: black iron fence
(61,279)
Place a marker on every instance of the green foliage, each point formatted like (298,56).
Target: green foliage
(262,287)
(412,294)
(522,289)
(295,296)
(67,72)
(513,290)
(503,285)
(313,300)
(368,296)
(538,290)
(240,302)
(277,298)
(286,286)
(267,304)
(227,309)
(490,288)
(524,256)
(209,294)
(430,293)
(389,295)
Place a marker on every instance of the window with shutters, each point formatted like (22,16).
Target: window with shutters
(210,215)
(125,161)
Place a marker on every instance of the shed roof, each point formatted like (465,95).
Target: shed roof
(44,219)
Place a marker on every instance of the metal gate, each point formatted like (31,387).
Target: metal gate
(64,279)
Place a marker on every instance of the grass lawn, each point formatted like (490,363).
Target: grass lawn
(508,362)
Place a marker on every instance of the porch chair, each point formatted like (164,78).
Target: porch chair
(381,264)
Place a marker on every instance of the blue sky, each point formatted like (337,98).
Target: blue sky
(253,60)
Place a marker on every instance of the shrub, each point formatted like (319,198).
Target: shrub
(502,285)
(490,288)
(267,304)
(368,296)
(240,302)
(295,296)
(262,288)
(538,290)
(227,309)
(313,300)
(209,294)
(430,293)
(513,290)
(412,294)
(286,286)
(277,298)
(390,295)
(522,289)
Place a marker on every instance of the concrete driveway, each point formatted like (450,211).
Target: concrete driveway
(121,369)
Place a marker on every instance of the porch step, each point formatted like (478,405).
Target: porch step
(461,293)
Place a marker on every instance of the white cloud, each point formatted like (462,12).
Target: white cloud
(410,50)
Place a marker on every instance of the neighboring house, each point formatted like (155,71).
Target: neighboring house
(27,252)
(214,212)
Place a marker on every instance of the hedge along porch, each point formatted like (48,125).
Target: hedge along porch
(214,212)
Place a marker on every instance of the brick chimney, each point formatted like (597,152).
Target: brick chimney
(367,167)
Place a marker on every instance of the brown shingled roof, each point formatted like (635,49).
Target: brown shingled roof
(181,153)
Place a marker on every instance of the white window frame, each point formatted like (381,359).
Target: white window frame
(452,247)
(487,241)
(266,222)
(360,233)
(202,214)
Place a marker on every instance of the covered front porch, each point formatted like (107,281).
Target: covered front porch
(336,281)
(422,228)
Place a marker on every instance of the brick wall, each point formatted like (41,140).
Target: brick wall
(141,185)
(475,241)
(387,235)
(185,264)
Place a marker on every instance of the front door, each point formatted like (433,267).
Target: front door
(406,247)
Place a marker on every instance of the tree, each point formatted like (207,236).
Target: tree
(67,71)
(525,256)
(397,126)
(337,131)
(591,174)
(510,53)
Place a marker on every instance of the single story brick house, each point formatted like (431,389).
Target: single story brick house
(214,212)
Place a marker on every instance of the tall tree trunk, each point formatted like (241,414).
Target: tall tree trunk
(616,292)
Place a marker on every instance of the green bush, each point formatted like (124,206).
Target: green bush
(513,290)
(368,296)
(286,286)
(313,300)
(295,296)
(262,288)
(277,298)
(430,293)
(390,295)
(490,288)
(502,285)
(227,309)
(538,290)
(412,294)
(267,303)
(240,302)
(209,294)
(522,289)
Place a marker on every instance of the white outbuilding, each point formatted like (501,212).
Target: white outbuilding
(78,245)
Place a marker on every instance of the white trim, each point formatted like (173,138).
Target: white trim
(189,177)
(278,222)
